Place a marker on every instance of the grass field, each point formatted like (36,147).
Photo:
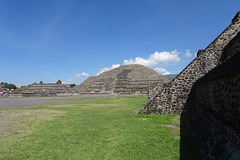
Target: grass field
(89,128)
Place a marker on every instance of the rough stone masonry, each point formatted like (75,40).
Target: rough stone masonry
(171,98)
(210,119)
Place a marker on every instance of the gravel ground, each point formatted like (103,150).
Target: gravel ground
(27,102)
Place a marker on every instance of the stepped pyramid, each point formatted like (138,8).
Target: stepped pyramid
(171,98)
(48,89)
(126,79)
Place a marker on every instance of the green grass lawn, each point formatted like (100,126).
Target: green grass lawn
(93,128)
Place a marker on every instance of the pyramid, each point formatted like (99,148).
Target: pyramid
(126,79)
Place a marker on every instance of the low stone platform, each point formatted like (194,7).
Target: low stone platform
(48,90)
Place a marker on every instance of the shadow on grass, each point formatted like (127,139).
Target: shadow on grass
(188,139)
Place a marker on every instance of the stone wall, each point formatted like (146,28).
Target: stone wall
(172,97)
(211,117)
(153,91)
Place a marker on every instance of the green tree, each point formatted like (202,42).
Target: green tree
(72,85)
(41,82)
(59,82)
(9,86)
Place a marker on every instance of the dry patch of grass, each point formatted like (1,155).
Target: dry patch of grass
(64,105)
(16,121)
(83,105)
(175,128)
(102,105)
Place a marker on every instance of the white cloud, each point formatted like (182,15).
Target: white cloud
(78,75)
(188,54)
(162,71)
(67,81)
(81,74)
(155,58)
(85,74)
(108,69)
(166,73)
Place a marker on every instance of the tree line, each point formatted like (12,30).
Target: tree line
(9,86)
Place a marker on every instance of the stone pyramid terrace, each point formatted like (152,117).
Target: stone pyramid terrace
(49,89)
(126,79)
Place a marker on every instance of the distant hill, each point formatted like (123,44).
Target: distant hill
(126,79)
(170,76)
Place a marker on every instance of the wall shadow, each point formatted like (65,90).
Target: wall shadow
(211,116)
(189,149)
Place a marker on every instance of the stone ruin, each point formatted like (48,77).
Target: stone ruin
(210,120)
(49,89)
(126,79)
(2,88)
(170,98)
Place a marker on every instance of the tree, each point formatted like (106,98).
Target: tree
(59,82)
(72,85)
(41,82)
(9,86)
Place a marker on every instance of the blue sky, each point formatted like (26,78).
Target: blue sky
(47,40)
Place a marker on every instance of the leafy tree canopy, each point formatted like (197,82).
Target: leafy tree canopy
(9,86)
(59,82)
